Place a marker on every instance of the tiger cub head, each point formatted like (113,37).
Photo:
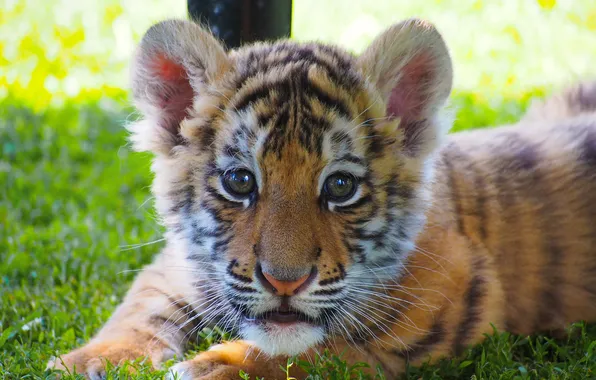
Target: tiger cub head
(291,177)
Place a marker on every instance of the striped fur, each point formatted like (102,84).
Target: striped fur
(443,236)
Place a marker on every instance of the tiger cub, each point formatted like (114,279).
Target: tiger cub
(312,199)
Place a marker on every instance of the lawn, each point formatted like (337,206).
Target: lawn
(76,217)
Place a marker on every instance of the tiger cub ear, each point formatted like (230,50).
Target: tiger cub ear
(410,66)
(174,63)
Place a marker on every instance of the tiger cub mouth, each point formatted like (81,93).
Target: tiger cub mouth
(283,315)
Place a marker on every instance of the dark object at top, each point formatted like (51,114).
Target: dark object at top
(237,22)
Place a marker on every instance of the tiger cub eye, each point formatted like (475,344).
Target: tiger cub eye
(239,183)
(340,187)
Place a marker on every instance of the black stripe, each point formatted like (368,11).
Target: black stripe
(238,277)
(376,144)
(343,62)
(294,104)
(264,118)
(219,247)
(311,139)
(180,305)
(244,134)
(262,91)
(585,96)
(519,155)
(362,234)
(355,251)
(481,198)
(202,231)
(172,302)
(241,308)
(343,76)
(197,239)
(207,135)
(423,347)
(398,195)
(361,221)
(241,289)
(138,335)
(327,292)
(342,270)
(188,328)
(518,174)
(506,253)
(472,305)
(587,175)
(349,157)
(306,62)
(217,195)
(479,210)
(363,201)
(387,369)
(330,280)
(342,274)
(413,135)
(550,306)
(402,190)
(340,140)
(328,100)
(281,122)
(455,196)
(587,155)
(306,57)
(385,261)
(233,151)
(186,195)
(211,170)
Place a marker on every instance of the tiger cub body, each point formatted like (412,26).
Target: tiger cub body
(313,199)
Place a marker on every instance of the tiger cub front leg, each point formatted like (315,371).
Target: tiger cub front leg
(225,361)
(153,322)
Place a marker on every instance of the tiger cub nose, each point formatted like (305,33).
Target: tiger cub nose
(284,287)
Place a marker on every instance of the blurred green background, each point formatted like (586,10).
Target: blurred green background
(76,218)
(496,45)
(54,49)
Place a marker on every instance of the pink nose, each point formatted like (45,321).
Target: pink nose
(285,288)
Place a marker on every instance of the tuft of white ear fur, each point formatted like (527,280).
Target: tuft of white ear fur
(410,67)
(173,64)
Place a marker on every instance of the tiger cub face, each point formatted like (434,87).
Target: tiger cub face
(292,177)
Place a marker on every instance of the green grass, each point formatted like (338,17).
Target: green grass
(76,219)
(75,210)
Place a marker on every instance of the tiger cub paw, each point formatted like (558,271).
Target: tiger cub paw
(203,370)
(225,361)
(90,360)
